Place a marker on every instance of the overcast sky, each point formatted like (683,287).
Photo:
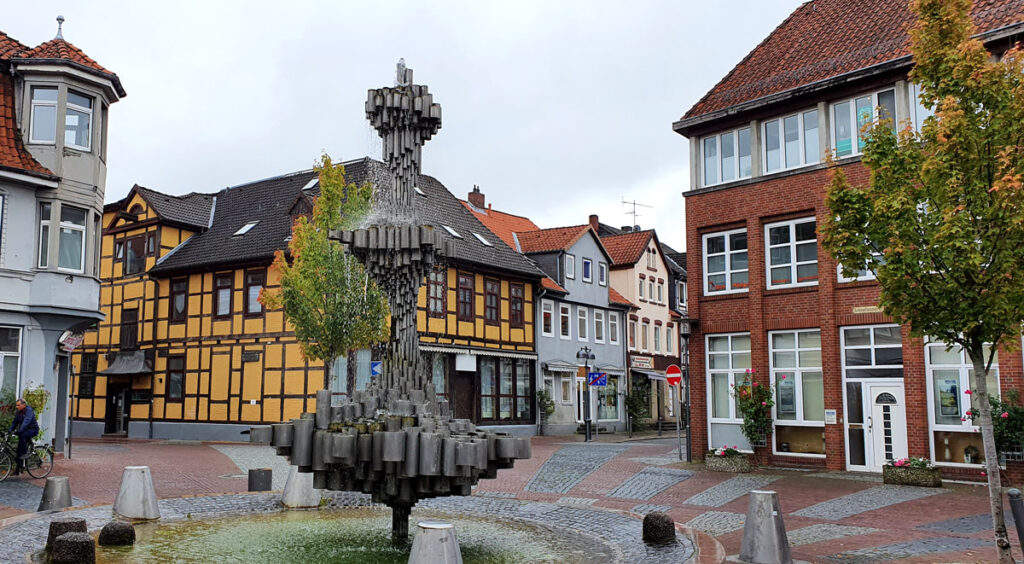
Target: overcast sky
(555,109)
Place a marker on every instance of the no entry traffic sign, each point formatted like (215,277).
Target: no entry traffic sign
(673,374)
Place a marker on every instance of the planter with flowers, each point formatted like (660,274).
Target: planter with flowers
(727,459)
(754,404)
(912,472)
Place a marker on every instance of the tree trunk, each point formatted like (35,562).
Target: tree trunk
(984,419)
(400,523)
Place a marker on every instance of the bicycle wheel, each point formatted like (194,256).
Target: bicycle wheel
(39,463)
(6,465)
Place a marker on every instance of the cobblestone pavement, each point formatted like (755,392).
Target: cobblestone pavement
(830,516)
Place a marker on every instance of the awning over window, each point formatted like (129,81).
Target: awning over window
(650,374)
(557,366)
(613,370)
(478,352)
(133,362)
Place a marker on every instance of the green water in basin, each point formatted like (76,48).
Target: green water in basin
(350,536)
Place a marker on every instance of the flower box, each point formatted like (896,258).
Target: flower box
(731,463)
(907,476)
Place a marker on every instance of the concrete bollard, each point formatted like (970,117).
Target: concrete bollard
(61,525)
(261,434)
(299,490)
(261,479)
(56,494)
(436,543)
(137,497)
(73,548)
(764,534)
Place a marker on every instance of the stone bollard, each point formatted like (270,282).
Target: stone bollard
(61,525)
(764,534)
(117,533)
(435,544)
(73,548)
(137,497)
(261,479)
(658,527)
(299,490)
(56,494)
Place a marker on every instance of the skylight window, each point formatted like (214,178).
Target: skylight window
(312,182)
(480,238)
(418,191)
(452,232)
(245,228)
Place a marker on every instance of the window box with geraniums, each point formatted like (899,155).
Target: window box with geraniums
(754,404)
(727,459)
(912,472)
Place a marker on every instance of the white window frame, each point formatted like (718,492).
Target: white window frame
(588,266)
(44,243)
(669,342)
(872,346)
(779,124)
(549,307)
(32,114)
(613,327)
(84,110)
(661,292)
(602,273)
(796,372)
(582,324)
(81,229)
(632,327)
(599,336)
(565,311)
(651,260)
(793,264)
(736,376)
(728,255)
(718,157)
(21,346)
(640,288)
(570,266)
(868,273)
(650,290)
(657,338)
(2,196)
(645,329)
(681,293)
(964,369)
(855,129)
(918,111)
(563,381)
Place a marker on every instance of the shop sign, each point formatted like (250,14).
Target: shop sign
(642,362)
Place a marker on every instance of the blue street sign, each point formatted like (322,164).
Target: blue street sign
(376,367)
(598,378)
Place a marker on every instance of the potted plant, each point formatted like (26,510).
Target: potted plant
(546,407)
(912,471)
(727,459)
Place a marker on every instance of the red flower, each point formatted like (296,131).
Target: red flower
(968,392)
(755,384)
(1005,415)
(764,403)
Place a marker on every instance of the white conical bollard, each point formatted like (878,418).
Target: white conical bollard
(299,490)
(435,544)
(137,497)
(56,494)
(764,534)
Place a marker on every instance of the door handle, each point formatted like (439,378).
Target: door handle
(870,423)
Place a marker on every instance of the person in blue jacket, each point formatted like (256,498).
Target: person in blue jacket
(26,428)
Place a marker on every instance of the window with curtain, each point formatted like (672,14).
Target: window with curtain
(224,288)
(437,291)
(134,255)
(179,299)
(795,358)
(492,301)
(466,296)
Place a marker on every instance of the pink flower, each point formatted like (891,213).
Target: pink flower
(1005,415)
(764,403)
(783,376)
(968,392)
(963,419)
(984,474)
(734,446)
(755,384)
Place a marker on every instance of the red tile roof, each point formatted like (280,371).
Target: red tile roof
(502,224)
(13,154)
(627,248)
(10,46)
(548,283)
(60,49)
(827,38)
(617,298)
(553,239)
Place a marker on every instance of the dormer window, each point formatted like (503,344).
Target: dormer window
(245,228)
(44,115)
(452,232)
(78,121)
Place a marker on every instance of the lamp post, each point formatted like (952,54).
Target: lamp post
(584,358)
(684,334)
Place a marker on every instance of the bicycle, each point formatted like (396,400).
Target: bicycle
(38,461)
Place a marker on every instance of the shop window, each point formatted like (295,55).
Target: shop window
(728,359)
(796,373)
(506,393)
(950,375)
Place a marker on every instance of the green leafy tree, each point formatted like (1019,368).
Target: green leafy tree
(326,294)
(943,213)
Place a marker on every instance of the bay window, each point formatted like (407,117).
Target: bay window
(78,121)
(792,253)
(728,358)
(43,128)
(850,116)
(726,157)
(45,211)
(951,376)
(71,254)
(799,391)
(791,141)
(725,262)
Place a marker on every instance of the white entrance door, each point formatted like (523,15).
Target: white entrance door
(887,426)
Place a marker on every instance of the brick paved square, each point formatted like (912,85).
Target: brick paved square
(649,482)
(895,551)
(570,464)
(865,500)
(731,489)
(645,508)
(717,523)
(825,532)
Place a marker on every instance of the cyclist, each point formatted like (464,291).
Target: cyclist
(26,428)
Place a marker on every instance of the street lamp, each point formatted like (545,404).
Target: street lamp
(584,358)
(684,334)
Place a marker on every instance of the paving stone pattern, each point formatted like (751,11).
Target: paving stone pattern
(645,508)
(568,466)
(853,476)
(567,500)
(967,525)
(606,526)
(649,482)
(717,523)
(731,489)
(822,532)
(907,549)
(865,500)
(257,456)
(506,495)
(26,495)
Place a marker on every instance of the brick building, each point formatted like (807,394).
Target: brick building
(852,388)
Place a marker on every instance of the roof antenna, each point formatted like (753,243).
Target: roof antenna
(60,25)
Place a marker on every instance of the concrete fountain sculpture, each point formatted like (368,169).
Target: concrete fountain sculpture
(396,440)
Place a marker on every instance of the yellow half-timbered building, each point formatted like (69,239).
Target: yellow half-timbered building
(186,350)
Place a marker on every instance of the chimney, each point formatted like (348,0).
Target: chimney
(594,224)
(626,228)
(476,197)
